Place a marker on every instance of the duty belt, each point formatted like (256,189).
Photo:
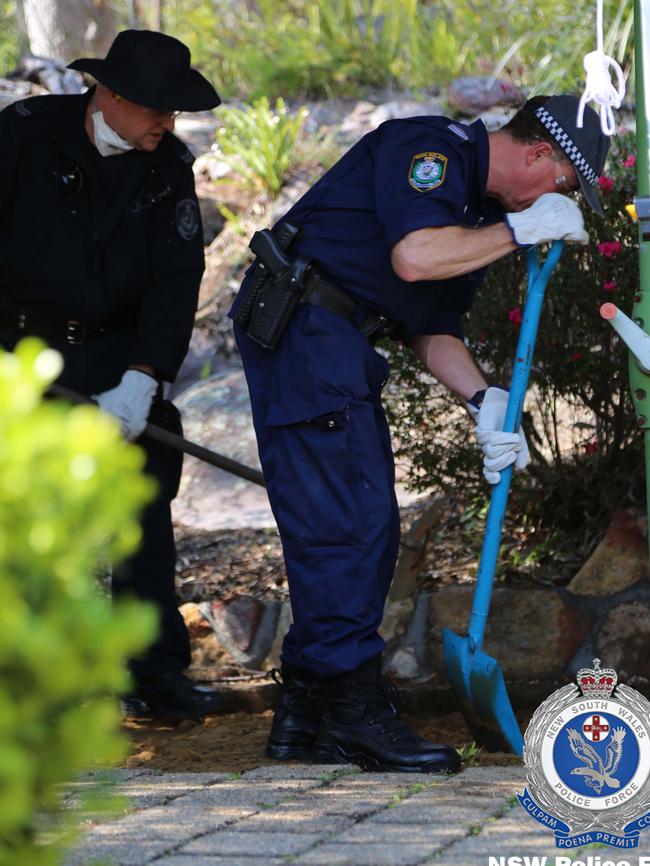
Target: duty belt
(70,331)
(321,293)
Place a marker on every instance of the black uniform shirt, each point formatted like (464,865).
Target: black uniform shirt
(97,239)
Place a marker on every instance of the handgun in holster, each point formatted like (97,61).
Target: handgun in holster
(276,286)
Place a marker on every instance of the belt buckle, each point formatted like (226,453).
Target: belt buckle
(75,332)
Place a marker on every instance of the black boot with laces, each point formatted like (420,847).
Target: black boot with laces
(362,725)
(297,714)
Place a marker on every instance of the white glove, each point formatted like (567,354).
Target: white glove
(551,217)
(499,449)
(130,402)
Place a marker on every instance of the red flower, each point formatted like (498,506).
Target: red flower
(514,316)
(609,285)
(609,249)
(629,161)
(591,447)
(577,356)
(605,183)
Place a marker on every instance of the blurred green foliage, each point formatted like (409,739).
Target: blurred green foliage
(8,37)
(587,455)
(301,48)
(258,142)
(70,494)
(298,48)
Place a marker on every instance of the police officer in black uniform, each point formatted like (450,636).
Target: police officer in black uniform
(394,239)
(101,254)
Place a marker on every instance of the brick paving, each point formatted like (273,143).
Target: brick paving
(318,816)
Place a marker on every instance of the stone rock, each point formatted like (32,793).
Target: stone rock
(532,633)
(197,130)
(208,654)
(12,91)
(236,619)
(285,618)
(404,663)
(197,624)
(397,615)
(244,626)
(399,108)
(408,655)
(473,95)
(413,549)
(216,414)
(208,657)
(211,167)
(619,561)
(622,643)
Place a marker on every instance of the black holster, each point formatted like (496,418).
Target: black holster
(275,287)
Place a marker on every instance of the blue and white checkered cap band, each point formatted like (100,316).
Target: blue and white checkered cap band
(567,145)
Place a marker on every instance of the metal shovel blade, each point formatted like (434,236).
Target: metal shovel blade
(476,678)
(480,689)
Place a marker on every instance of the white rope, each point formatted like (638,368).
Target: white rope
(598,85)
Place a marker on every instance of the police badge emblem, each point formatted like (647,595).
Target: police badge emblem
(587,760)
(187,218)
(427,171)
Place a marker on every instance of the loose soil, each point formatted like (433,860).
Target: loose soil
(218,564)
(235,742)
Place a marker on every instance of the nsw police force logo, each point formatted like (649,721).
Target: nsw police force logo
(427,170)
(587,760)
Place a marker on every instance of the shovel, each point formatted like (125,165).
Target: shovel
(476,678)
(159,434)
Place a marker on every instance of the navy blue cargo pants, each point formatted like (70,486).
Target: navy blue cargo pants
(325,450)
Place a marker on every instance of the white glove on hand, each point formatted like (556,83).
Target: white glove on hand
(130,402)
(499,449)
(551,217)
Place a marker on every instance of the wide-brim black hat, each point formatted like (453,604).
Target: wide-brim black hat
(153,70)
(585,146)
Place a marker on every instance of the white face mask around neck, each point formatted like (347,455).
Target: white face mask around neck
(107,141)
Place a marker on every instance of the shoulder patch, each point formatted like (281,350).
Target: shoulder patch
(38,104)
(427,171)
(187,218)
(458,130)
(21,108)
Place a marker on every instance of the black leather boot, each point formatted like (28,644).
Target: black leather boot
(297,714)
(362,725)
(171,697)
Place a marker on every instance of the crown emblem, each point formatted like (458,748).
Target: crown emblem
(596,682)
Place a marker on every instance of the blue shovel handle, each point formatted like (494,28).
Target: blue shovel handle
(537,280)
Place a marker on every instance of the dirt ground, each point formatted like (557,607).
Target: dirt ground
(235,742)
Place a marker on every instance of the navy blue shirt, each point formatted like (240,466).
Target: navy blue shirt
(406,175)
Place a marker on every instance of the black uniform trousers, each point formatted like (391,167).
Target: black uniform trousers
(149,574)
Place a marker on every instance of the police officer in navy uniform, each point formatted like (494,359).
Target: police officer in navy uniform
(394,239)
(101,254)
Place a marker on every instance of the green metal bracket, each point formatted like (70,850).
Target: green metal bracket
(639,380)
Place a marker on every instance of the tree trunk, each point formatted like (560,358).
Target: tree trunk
(66,29)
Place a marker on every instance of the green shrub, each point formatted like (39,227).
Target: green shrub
(541,46)
(70,492)
(586,452)
(258,142)
(9,50)
(298,48)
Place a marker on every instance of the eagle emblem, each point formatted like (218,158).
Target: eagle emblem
(596,772)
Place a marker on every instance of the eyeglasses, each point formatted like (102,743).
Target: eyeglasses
(562,181)
(160,115)
(155,113)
